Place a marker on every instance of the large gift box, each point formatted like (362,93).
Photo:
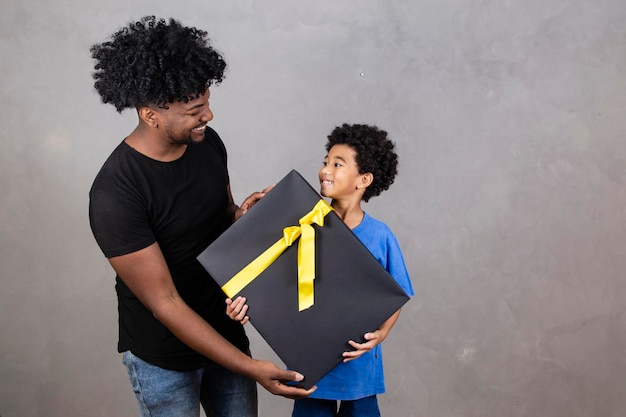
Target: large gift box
(310,283)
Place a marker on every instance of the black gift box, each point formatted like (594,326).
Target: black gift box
(353,292)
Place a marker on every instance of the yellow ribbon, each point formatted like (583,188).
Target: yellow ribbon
(306,257)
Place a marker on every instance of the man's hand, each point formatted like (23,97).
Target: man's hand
(236,309)
(274,379)
(249,202)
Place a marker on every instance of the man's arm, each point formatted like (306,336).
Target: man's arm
(234,211)
(146,274)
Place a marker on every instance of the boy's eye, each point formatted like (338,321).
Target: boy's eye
(324,164)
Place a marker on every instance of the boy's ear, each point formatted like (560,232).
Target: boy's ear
(365,180)
(148,115)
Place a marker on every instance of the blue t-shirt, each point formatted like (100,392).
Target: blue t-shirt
(364,377)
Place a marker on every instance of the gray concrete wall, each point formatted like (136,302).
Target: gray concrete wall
(510,206)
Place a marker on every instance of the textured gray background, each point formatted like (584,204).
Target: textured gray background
(509,117)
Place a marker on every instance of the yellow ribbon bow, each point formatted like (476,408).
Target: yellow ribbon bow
(306,257)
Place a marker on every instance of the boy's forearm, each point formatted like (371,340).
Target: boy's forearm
(385,328)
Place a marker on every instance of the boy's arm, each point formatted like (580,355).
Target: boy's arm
(371,339)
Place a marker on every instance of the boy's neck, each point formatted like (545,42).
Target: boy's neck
(350,212)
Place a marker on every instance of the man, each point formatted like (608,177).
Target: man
(160,199)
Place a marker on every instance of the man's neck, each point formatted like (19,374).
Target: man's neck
(155,148)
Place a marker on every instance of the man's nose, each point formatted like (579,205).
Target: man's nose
(208,115)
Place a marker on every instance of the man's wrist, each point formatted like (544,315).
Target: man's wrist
(232,212)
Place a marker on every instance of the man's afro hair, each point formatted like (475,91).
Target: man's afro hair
(153,61)
(375,154)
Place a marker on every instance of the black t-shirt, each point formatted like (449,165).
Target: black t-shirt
(136,201)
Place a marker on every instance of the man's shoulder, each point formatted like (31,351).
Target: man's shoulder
(121,151)
(115,167)
(213,140)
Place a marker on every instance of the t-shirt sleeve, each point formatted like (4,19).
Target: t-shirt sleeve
(118,219)
(214,139)
(396,265)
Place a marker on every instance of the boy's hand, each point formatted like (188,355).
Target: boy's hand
(372,339)
(236,309)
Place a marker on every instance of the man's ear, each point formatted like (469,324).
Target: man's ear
(149,116)
(365,180)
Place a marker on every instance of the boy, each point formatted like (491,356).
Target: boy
(361,163)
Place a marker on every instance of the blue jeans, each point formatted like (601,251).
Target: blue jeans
(313,407)
(164,393)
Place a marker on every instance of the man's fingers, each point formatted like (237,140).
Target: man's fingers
(267,189)
(295,393)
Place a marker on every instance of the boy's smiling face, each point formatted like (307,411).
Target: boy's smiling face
(339,175)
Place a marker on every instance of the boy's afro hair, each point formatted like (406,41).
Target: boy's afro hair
(375,154)
(153,61)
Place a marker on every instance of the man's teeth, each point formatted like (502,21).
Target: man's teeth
(201,127)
